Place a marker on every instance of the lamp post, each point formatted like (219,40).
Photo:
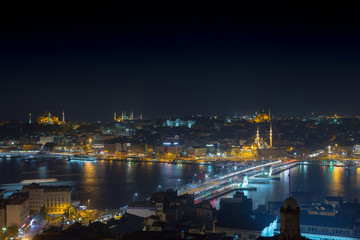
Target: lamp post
(194,178)
(89,204)
(178,184)
(135,195)
(158,188)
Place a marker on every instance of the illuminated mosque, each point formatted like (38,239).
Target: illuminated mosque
(124,117)
(49,119)
(261,117)
(260,143)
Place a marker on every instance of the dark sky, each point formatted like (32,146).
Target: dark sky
(179,57)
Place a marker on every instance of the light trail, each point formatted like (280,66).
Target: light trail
(200,187)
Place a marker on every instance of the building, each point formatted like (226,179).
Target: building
(2,211)
(262,117)
(233,208)
(17,209)
(180,123)
(2,215)
(141,209)
(172,208)
(168,150)
(328,227)
(50,119)
(196,151)
(51,139)
(56,199)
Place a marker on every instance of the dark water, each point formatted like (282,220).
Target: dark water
(108,184)
(112,184)
(322,180)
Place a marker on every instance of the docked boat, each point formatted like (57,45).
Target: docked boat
(43,155)
(82,157)
(42,180)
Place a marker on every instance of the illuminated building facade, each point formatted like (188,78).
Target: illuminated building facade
(56,199)
(259,142)
(124,117)
(50,119)
(180,123)
(262,117)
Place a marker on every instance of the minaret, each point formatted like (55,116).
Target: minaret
(270,135)
(114,116)
(140,116)
(132,116)
(122,116)
(30,118)
(49,118)
(63,116)
(257,137)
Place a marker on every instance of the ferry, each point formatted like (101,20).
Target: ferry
(42,180)
(82,157)
(42,155)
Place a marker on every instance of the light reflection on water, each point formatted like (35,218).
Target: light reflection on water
(323,180)
(112,184)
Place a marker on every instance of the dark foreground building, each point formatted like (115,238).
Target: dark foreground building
(134,227)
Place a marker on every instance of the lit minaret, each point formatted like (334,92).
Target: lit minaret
(122,116)
(270,135)
(30,118)
(114,116)
(257,140)
(63,116)
(132,116)
(140,116)
(49,118)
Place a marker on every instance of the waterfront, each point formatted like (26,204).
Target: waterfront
(112,184)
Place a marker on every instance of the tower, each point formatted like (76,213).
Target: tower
(132,115)
(257,140)
(122,116)
(30,118)
(270,134)
(290,220)
(63,116)
(49,122)
(140,116)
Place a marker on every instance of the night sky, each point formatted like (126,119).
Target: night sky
(177,58)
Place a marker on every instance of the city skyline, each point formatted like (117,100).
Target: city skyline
(205,119)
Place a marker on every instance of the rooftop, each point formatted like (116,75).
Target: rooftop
(17,198)
(47,188)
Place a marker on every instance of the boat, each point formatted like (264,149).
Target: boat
(43,155)
(42,180)
(82,157)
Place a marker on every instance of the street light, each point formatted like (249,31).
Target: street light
(178,183)
(194,178)
(89,204)
(159,187)
(135,195)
